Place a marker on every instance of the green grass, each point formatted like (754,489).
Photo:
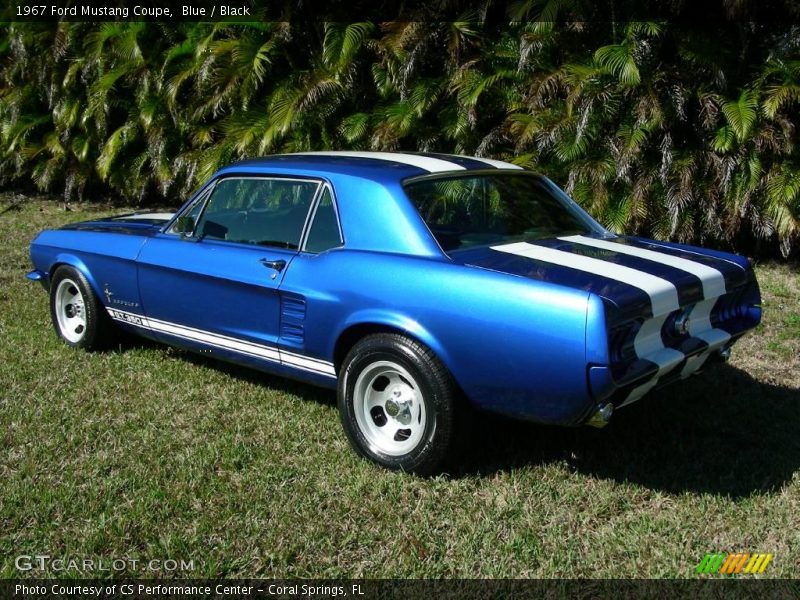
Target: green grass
(149,452)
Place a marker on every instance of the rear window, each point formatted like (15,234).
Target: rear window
(487,209)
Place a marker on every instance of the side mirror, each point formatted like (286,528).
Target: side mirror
(184,225)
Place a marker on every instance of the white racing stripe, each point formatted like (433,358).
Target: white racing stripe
(163,216)
(666,359)
(700,327)
(713,281)
(271,354)
(663,294)
(700,322)
(500,164)
(695,252)
(663,298)
(649,345)
(432,165)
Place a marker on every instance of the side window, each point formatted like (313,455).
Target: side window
(324,233)
(265,212)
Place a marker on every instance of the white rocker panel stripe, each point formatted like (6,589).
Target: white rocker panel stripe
(308,363)
(432,165)
(713,281)
(227,343)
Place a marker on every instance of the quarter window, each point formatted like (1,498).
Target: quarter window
(264,212)
(324,233)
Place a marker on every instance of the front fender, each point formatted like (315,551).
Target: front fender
(65,258)
(46,259)
(106,259)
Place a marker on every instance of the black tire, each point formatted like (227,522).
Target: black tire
(423,417)
(83,323)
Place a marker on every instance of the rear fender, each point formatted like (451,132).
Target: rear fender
(396,320)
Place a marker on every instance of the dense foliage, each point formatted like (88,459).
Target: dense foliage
(668,129)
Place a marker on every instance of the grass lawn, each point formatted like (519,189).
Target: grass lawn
(151,453)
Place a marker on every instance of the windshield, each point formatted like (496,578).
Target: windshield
(476,210)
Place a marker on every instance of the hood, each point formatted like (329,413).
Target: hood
(134,223)
(635,277)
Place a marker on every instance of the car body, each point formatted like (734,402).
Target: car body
(557,323)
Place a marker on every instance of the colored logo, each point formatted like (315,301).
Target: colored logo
(740,562)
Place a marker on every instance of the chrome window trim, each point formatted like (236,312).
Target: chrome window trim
(205,195)
(312,211)
(325,186)
(199,198)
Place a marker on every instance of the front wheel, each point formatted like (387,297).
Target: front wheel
(396,402)
(78,316)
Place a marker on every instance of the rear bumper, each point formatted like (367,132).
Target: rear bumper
(606,389)
(657,354)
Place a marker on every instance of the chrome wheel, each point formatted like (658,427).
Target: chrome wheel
(389,408)
(70,310)
(397,403)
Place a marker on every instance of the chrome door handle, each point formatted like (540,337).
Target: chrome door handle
(278,265)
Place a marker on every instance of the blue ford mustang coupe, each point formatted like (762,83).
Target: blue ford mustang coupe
(409,283)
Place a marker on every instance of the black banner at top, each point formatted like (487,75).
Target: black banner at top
(497,11)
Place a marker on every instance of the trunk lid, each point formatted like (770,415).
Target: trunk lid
(637,278)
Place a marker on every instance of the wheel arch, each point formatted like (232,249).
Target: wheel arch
(380,322)
(70,260)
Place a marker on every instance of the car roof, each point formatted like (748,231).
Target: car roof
(369,165)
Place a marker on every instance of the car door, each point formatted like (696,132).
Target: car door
(214,282)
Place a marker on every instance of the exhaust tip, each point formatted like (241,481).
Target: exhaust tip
(725,353)
(602,416)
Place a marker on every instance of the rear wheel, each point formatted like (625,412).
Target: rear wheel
(396,402)
(78,315)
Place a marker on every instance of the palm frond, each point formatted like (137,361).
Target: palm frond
(741,114)
(618,59)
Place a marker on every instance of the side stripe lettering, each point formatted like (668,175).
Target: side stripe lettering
(271,354)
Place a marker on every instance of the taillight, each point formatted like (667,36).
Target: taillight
(620,341)
(728,306)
